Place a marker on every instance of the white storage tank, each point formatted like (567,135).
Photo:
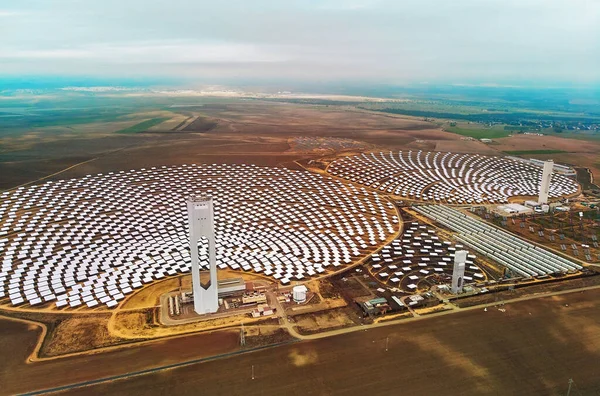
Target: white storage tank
(299,293)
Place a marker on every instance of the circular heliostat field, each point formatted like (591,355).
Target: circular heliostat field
(419,259)
(447,177)
(91,241)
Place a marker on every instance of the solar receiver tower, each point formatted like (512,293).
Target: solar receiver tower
(458,274)
(545,183)
(201,223)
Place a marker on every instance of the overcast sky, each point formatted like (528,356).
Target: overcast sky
(396,41)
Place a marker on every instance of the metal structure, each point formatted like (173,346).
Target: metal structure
(242,336)
(201,224)
(524,259)
(545,182)
(458,274)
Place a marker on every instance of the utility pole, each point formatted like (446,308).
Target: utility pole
(243,337)
(570,383)
(387,342)
(252,371)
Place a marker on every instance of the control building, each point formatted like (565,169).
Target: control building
(202,229)
(545,182)
(458,274)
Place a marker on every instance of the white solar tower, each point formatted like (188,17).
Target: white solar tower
(458,274)
(201,223)
(545,182)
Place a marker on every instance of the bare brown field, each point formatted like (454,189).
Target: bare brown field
(578,152)
(200,124)
(465,146)
(19,339)
(532,142)
(531,348)
(246,132)
(171,124)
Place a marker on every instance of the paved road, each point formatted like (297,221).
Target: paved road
(443,313)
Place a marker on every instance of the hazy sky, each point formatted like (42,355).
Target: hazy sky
(396,41)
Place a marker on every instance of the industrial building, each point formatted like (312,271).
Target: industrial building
(231,286)
(262,310)
(513,209)
(374,306)
(254,298)
(225,288)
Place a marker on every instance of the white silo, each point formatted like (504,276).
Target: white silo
(299,293)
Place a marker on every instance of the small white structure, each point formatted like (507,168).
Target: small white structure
(201,223)
(458,274)
(545,182)
(513,209)
(299,294)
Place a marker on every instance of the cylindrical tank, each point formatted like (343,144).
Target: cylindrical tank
(299,294)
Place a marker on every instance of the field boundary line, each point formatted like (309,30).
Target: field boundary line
(156,369)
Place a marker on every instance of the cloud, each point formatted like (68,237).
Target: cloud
(347,4)
(158,52)
(386,40)
(6,13)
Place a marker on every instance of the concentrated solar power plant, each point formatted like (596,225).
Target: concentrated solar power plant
(91,241)
(419,259)
(521,257)
(448,177)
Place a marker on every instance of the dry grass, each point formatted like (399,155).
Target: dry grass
(430,310)
(324,320)
(149,295)
(141,325)
(80,333)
